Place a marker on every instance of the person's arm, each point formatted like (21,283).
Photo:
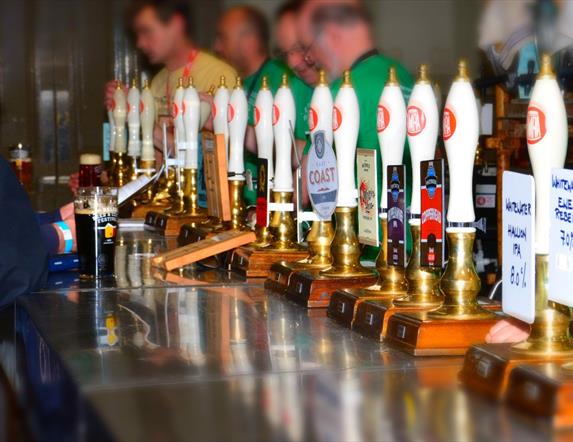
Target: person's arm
(23,257)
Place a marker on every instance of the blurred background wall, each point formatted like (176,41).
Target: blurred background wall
(56,56)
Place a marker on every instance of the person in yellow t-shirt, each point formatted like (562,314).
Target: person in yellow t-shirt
(162,33)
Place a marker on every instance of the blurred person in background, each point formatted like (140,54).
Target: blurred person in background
(243,37)
(162,30)
(289,48)
(337,35)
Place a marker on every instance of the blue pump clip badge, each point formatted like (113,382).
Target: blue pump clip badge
(322,176)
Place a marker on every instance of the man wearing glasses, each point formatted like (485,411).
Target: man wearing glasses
(337,34)
(243,40)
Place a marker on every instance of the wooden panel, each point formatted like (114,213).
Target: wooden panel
(216,182)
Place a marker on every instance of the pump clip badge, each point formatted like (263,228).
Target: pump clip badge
(322,176)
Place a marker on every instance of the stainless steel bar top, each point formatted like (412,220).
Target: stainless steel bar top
(220,362)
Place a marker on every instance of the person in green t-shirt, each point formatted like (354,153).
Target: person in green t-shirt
(338,36)
(242,39)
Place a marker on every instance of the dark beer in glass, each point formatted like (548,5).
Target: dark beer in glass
(96,230)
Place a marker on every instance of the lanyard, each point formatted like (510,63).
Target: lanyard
(186,72)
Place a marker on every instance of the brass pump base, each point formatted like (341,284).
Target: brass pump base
(238,208)
(319,239)
(371,313)
(549,340)
(345,247)
(423,282)
(253,261)
(282,225)
(314,288)
(460,283)
(460,322)
(550,330)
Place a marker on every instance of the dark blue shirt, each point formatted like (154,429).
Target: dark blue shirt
(23,256)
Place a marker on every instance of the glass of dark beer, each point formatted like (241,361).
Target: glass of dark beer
(96,229)
(90,170)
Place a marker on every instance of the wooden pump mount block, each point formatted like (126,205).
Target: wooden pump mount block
(311,289)
(344,304)
(421,335)
(254,262)
(279,276)
(487,367)
(372,316)
(167,224)
(544,391)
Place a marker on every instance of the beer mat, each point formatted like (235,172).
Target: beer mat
(219,243)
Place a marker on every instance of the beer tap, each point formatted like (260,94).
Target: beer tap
(120,116)
(177,208)
(392,136)
(220,109)
(265,140)
(147,119)
(460,283)
(112,136)
(547,136)
(345,248)
(282,225)
(422,128)
(237,117)
(321,232)
(191,121)
(133,125)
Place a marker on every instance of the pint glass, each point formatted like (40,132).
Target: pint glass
(96,229)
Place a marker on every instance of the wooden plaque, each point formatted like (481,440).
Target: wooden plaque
(216,182)
(219,243)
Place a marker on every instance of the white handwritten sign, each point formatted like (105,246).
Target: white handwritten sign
(518,268)
(561,237)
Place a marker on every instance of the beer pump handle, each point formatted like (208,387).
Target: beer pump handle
(133,121)
(120,116)
(191,117)
(422,128)
(220,109)
(391,125)
(345,124)
(237,115)
(283,119)
(320,112)
(461,132)
(547,137)
(264,125)
(147,117)
(179,129)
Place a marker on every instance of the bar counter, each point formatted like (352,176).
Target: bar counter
(206,355)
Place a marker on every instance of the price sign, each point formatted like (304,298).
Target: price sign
(367,197)
(561,237)
(322,177)
(396,216)
(518,268)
